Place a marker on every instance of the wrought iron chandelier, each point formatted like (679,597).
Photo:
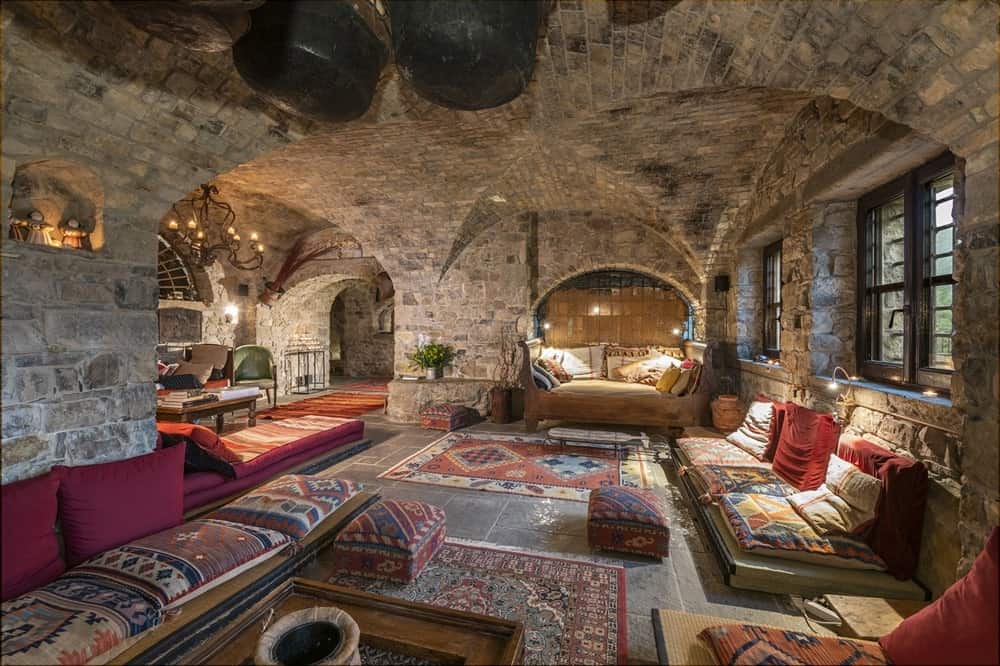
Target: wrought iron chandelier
(203,229)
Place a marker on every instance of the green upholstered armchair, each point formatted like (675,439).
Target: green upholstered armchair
(255,365)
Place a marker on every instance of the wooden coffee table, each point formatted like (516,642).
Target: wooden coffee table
(388,625)
(218,409)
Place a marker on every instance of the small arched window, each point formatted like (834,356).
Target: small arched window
(174,277)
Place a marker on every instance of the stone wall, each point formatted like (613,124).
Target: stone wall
(801,198)
(149,120)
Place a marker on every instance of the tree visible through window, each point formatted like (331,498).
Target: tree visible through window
(772,299)
(906,244)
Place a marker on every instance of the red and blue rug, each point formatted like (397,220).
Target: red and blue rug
(523,466)
(573,610)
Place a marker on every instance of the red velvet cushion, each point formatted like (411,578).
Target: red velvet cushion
(777,422)
(204,437)
(961,626)
(807,439)
(895,535)
(107,505)
(30,546)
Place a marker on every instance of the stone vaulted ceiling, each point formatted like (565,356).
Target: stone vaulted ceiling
(660,112)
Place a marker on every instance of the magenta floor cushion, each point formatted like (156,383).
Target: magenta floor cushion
(392,540)
(628,520)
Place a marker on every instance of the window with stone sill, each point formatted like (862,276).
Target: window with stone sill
(906,240)
(772,300)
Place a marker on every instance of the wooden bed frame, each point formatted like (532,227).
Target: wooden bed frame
(647,410)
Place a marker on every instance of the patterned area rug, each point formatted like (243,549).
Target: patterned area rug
(573,611)
(329,404)
(369,385)
(523,466)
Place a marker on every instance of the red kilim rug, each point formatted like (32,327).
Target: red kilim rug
(329,404)
(370,385)
(523,466)
(573,610)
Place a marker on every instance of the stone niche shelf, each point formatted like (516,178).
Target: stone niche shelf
(407,397)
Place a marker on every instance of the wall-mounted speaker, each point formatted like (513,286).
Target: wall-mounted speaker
(721,283)
(243,290)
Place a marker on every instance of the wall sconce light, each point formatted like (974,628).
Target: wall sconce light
(546,326)
(846,400)
(676,331)
(595,310)
(232,314)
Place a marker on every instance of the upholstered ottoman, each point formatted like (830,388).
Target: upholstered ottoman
(446,417)
(628,520)
(392,540)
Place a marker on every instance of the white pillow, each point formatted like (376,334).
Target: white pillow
(583,362)
(858,489)
(753,433)
(828,513)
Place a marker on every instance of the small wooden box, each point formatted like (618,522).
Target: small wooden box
(446,417)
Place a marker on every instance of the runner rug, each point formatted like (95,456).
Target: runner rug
(369,385)
(328,404)
(523,466)
(573,610)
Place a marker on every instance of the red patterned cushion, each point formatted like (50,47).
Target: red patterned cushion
(292,504)
(752,644)
(392,540)
(718,480)
(807,439)
(628,520)
(174,563)
(446,416)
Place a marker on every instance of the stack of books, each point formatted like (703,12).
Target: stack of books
(181,399)
(235,392)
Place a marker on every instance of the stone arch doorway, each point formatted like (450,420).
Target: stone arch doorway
(361,332)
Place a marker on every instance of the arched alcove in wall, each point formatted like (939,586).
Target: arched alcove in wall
(58,203)
(613,305)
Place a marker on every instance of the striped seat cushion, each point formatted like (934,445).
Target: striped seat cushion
(753,434)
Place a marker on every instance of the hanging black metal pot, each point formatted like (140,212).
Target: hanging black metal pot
(317,58)
(466,54)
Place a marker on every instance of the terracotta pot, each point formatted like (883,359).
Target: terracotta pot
(500,405)
(727,413)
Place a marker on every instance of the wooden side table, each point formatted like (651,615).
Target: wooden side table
(218,409)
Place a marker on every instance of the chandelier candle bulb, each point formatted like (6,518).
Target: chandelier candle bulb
(253,236)
(173,225)
(231,231)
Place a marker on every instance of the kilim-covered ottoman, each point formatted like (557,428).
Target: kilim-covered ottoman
(628,520)
(392,540)
(446,417)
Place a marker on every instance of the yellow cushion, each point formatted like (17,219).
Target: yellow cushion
(668,379)
(682,383)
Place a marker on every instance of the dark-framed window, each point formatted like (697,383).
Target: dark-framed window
(906,241)
(772,300)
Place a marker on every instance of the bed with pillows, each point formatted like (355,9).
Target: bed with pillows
(792,505)
(139,583)
(219,467)
(651,385)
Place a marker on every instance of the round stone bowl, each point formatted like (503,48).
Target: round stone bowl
(319,635)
